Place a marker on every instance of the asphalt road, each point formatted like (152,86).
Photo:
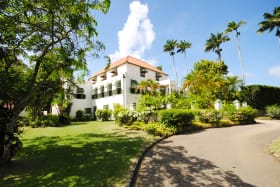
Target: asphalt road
(233,156)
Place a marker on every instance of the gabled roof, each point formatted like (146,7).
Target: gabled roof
(129,60)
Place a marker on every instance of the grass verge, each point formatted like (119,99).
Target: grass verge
(275,148)
(82,154)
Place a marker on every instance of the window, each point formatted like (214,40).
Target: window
(114,72)
(162,91)
(87,110)
(80,90)
(102,94)
(158,76)
(109,89)
(94,94)
(103,76)
(133,86)
(134,106)
(118,87)
(80,96)
(143,71)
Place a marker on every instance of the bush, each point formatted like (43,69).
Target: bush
(118,108)
(159,129)
(103,114)
(176,117)
(149,114)
(273,111)
(210,116)
(244,115)
(127,117)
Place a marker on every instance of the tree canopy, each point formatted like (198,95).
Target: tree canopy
(208,81)
(41,41)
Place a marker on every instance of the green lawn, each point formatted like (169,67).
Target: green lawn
(275,147)
(82,154)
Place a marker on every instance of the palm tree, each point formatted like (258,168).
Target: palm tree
(169,47)
(182,47)
(271,21)
(214,42)
(233,27)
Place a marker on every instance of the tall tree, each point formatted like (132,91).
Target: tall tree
(271,22)
(182,47)
(51,38)
(233,27)
(206,82)
(170,47)
(214,43)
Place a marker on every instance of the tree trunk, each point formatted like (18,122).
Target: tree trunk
(9,141)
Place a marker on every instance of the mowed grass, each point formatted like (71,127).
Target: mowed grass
(275,147)
(82,154)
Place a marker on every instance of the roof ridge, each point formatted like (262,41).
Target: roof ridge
(131,60)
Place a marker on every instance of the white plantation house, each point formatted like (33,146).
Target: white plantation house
(118,84)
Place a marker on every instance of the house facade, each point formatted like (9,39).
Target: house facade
(118,84)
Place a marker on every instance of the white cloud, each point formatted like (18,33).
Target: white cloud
(274,71)
(137,35)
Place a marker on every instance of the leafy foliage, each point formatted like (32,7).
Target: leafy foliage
(243,115)
(273,111)
(103,114)
(271,22)
(209,116)
(260,96)
(208,82)
(214,42)
(176,117)
(42,42)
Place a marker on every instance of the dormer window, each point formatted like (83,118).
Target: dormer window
(158,75)
(103,76)
(114,72)
(93,80)
(143,71)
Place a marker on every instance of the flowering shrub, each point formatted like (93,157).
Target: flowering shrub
(127,117)
(147,114)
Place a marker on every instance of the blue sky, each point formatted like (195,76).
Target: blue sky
(141,28)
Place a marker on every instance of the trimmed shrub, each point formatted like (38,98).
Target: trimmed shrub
(209,116)
(159,129)
(103,114)
(178,118)
(260,96)
(273,111)
(244,115)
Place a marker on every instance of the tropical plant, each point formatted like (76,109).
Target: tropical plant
(170,47)
(148,86)
(182,47)
(208,82)
(214,43)
(271,22)
(233,27)
(52,39)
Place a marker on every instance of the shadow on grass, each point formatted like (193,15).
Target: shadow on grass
(85,160)
(172,166)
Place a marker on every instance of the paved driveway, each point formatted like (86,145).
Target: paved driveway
(234,156)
